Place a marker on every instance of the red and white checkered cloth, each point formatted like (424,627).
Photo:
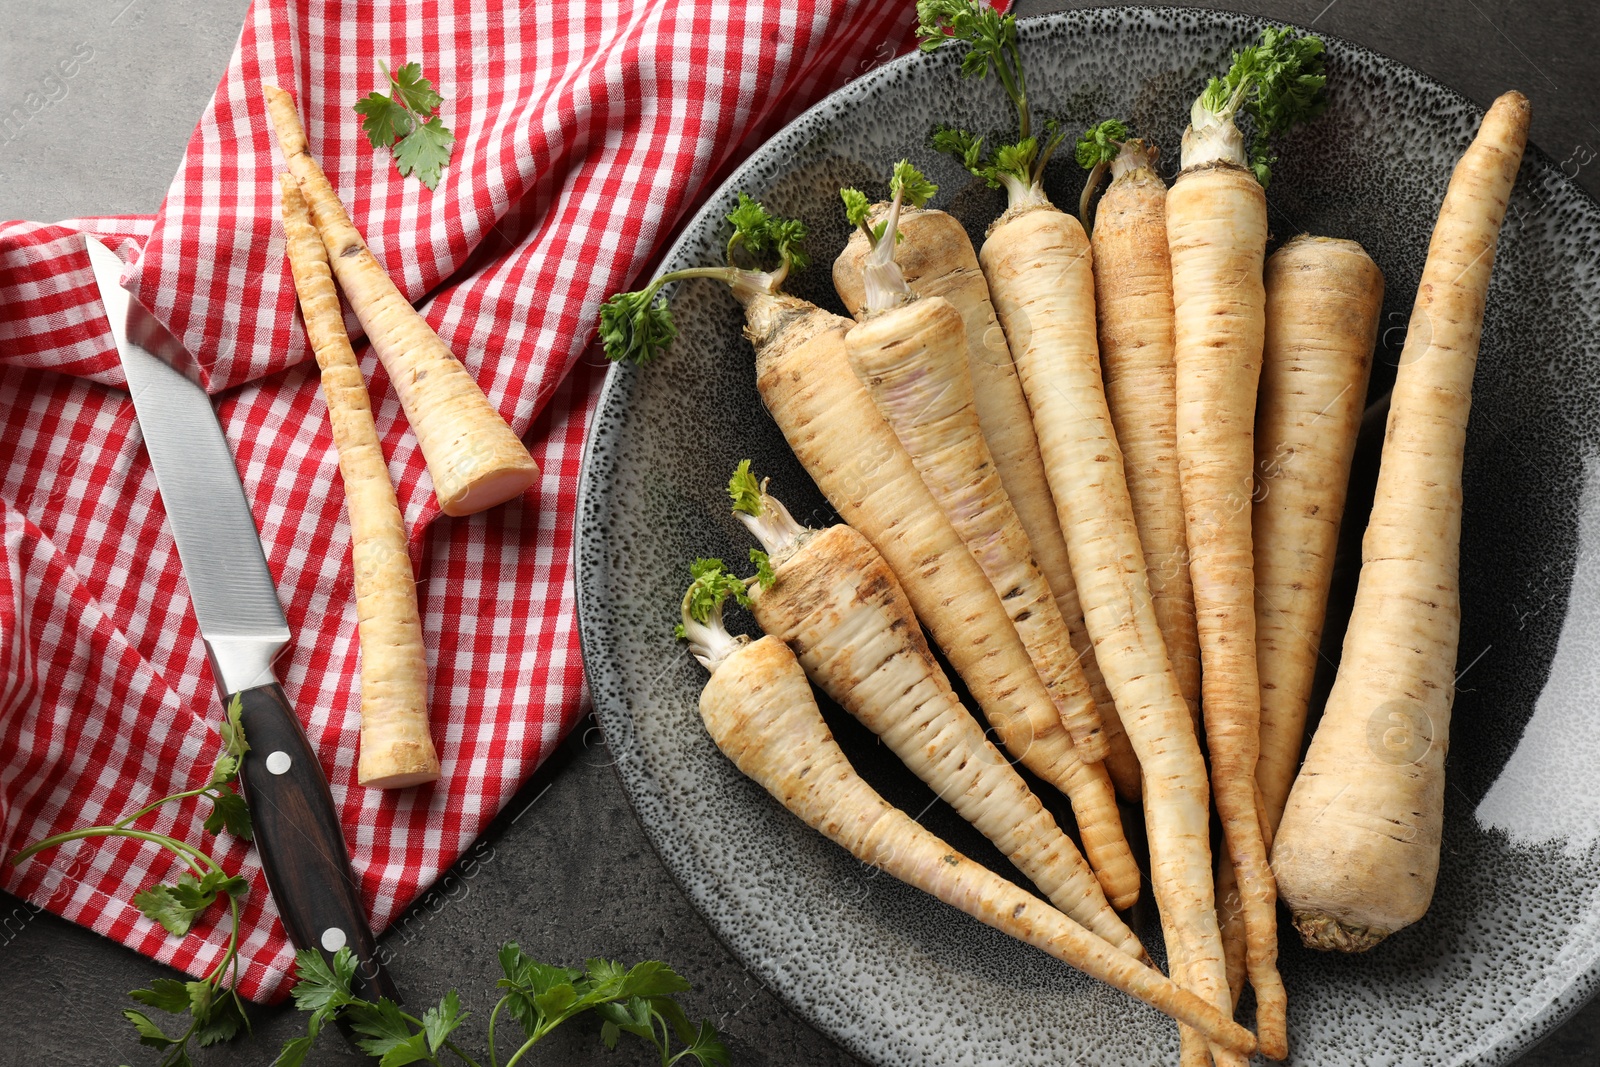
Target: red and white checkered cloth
(585,132)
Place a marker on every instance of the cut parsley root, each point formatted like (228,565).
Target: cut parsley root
(911,354)
(805,380)
(475,459)
(936,258)
(1357,853)
(1038,264)
(759,710)
(830,596)
(396,747)
(1217,238)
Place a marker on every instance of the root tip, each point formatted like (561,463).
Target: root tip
(1327,934)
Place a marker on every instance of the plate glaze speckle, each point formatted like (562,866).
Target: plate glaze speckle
(1512,942)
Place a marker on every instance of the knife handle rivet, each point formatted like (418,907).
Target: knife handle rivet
(333,939)
(278,763)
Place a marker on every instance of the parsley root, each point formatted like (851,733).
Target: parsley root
(396,748)
(1133,303)
(1324,300)
(1038,264)
(1217,238)
(475,459)
(911,354)
(936,258)
(1357,853)
(758,708)
(831,597)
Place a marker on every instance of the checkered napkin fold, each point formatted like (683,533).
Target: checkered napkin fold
(585,132)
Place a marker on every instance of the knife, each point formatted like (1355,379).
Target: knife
(297,833)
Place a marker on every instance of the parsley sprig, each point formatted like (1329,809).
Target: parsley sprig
(711,583)
(1279,82)
(991,38)
(992,41)
(215,1011)
(763,250)
(906,183)
(538,997)
(406,121)
(1094,152)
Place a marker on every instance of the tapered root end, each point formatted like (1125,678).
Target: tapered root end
(1327,934)
(285,121)
(1122,902)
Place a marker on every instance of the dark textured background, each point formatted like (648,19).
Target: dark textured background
(565,870)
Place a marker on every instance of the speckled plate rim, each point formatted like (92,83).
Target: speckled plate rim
(1561,998)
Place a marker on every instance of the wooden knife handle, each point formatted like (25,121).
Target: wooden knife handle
(301,845)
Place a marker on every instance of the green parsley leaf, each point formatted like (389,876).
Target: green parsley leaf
(425,151)
(856,206)
(383,120)
(319,985)
(748,217)
(177,906)
(414,92)
(911,185)
(967,149)
(166,994)
(978,24)
(707,1047)
(218,1016)
(1100,144)
(630,1017)
(712,585)
(295,1051)
(229,812)
(383,1028)
(745,490)
(1017,159)
(764,574)
(761,233)
(233,739)
(636,327)
(407,121)
(652,978)
(439,1022)
(226,771)
(149,1033)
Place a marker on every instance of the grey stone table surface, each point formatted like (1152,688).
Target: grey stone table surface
(566,870)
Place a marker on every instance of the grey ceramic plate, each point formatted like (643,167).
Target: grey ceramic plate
(1512,943)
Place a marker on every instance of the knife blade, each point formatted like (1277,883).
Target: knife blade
(297,833)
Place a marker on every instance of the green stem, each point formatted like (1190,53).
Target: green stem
(185,850)
(462,1056)
(1021,94)
(1018,96)
(129,819)
(526,1045)
(494,1056)
(1045,153)
(1090,187)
